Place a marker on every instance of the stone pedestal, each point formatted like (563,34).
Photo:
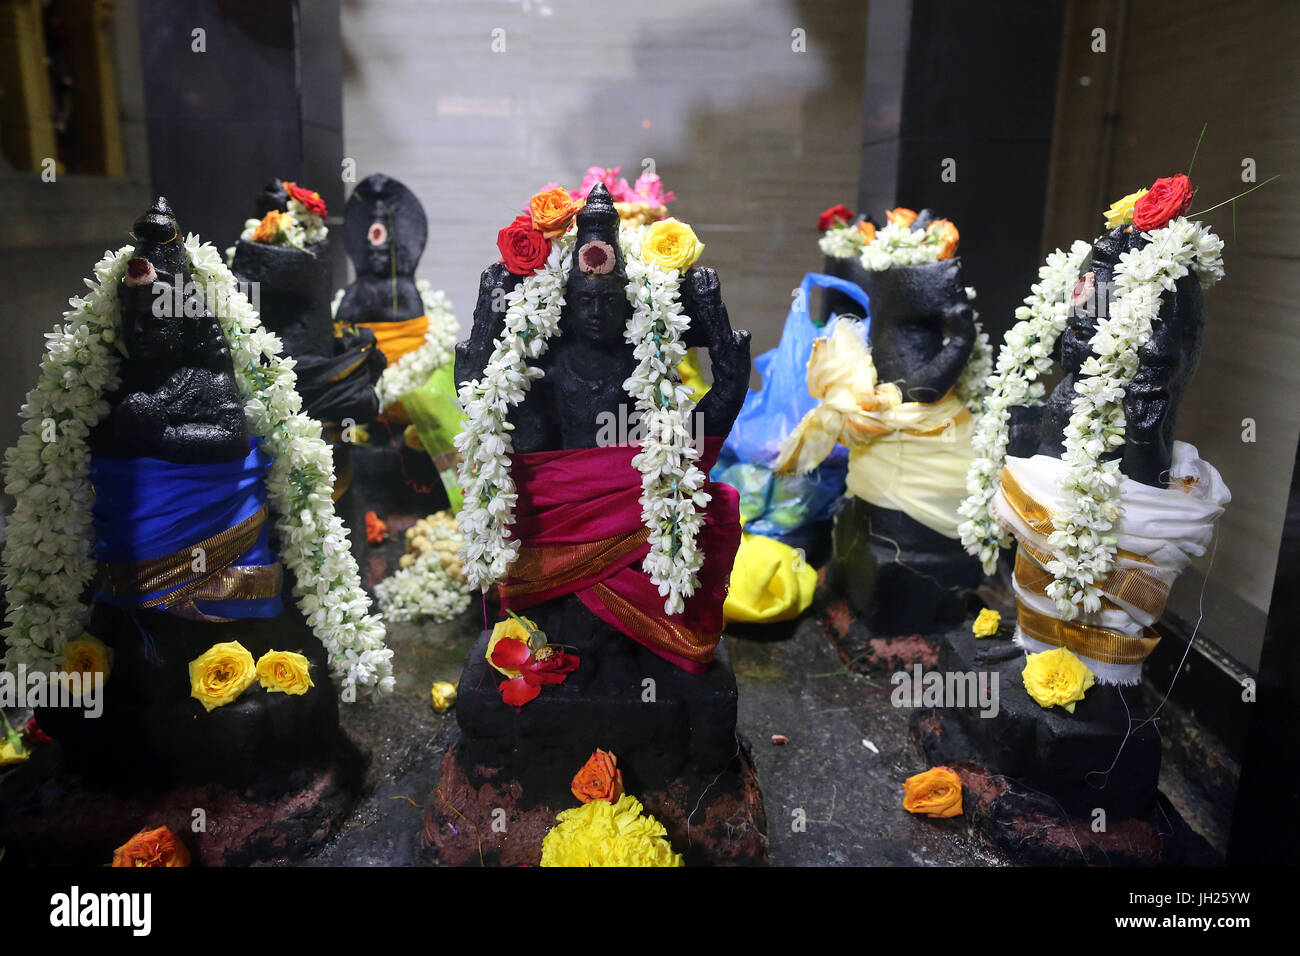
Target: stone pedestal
(392,478)
(899,577)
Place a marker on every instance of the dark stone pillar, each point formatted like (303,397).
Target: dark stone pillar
(975,84)
(264,99)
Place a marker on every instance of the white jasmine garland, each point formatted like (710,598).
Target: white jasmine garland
(672,485)
(425,588)
(841,241)
(47,556)
(413,369)
(899,245)
(1025,356)
(1084,551)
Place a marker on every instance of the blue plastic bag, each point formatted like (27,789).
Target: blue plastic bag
(787,508)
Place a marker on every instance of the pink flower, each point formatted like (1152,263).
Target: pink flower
(618,188)
(651,188)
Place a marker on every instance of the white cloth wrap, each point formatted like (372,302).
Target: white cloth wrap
(1168,526)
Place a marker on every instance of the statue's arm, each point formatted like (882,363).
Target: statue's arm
(728,350)
(1148,403)
(473,354)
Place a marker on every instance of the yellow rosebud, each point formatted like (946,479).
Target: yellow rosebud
(221,673)
(511,629)
(671,245)
(1120,212)
(986,625)
(444,696)
(87,654)
(284,671)
(1056,678)
(936,793)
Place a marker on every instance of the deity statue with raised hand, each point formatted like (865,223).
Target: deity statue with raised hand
(899,390)
(587,498)
(1105,507)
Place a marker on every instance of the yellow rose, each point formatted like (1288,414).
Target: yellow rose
(221,673)
(87,655)
(1056,678)
(443,695)
(986,625)
(511,629)
(284,671)
(671,245)
(1120,212)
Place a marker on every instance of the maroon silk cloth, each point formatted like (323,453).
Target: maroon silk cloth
(578,521)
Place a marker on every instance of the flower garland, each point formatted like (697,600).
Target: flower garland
(413,369)
(672,485)
(429,583)
(1084,552)
(1025,356)
(47,555)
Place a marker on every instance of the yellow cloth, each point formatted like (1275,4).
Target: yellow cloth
(770,582)
(908,456)
(693,376)
(395,338)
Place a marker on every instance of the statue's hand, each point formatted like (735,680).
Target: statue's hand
(140,419)
(728,349)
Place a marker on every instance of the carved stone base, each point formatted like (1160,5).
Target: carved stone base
(1083,760)
(63,820)
(918,586)
(662,723)
(716,822)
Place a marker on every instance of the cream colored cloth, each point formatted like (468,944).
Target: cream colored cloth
(1158,535)
(908,456)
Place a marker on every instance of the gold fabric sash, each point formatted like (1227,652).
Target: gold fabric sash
(225,581)
(1086,640)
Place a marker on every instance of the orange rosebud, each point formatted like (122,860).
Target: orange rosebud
(376,529)
(867,231)
(936,793)
(902,216)
(599,779)
(947,234)
(158,847)
(552,211)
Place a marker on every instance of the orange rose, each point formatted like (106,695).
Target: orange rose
(599,779)
(904,217)
(152,848)
(936,793)
(867,231)
(947,235)
(270,226)
(552,210)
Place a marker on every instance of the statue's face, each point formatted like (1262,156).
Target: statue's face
(597,309)
(379,244)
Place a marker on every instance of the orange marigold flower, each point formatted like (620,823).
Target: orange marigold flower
(158,847)
(936,793)
(376,529)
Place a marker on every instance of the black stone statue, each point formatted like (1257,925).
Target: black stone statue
(384,230)
(178,404)
(336,372)
(690,729)
(899,575)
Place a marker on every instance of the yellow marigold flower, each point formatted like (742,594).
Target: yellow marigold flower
(87,654)
(221,673)
(986,625)
(443,695)
(608,834)
(1120,212)
(1056,678)
(284,671)
(671,245)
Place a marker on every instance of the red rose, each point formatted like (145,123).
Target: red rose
(33,734)
(549,666)
(1166,200)
(524,250)
(307,197)
(833,215)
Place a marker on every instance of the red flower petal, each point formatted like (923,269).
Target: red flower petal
(553,670)
(511,653)
(516,692)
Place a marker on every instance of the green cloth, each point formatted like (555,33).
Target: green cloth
(436,415)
